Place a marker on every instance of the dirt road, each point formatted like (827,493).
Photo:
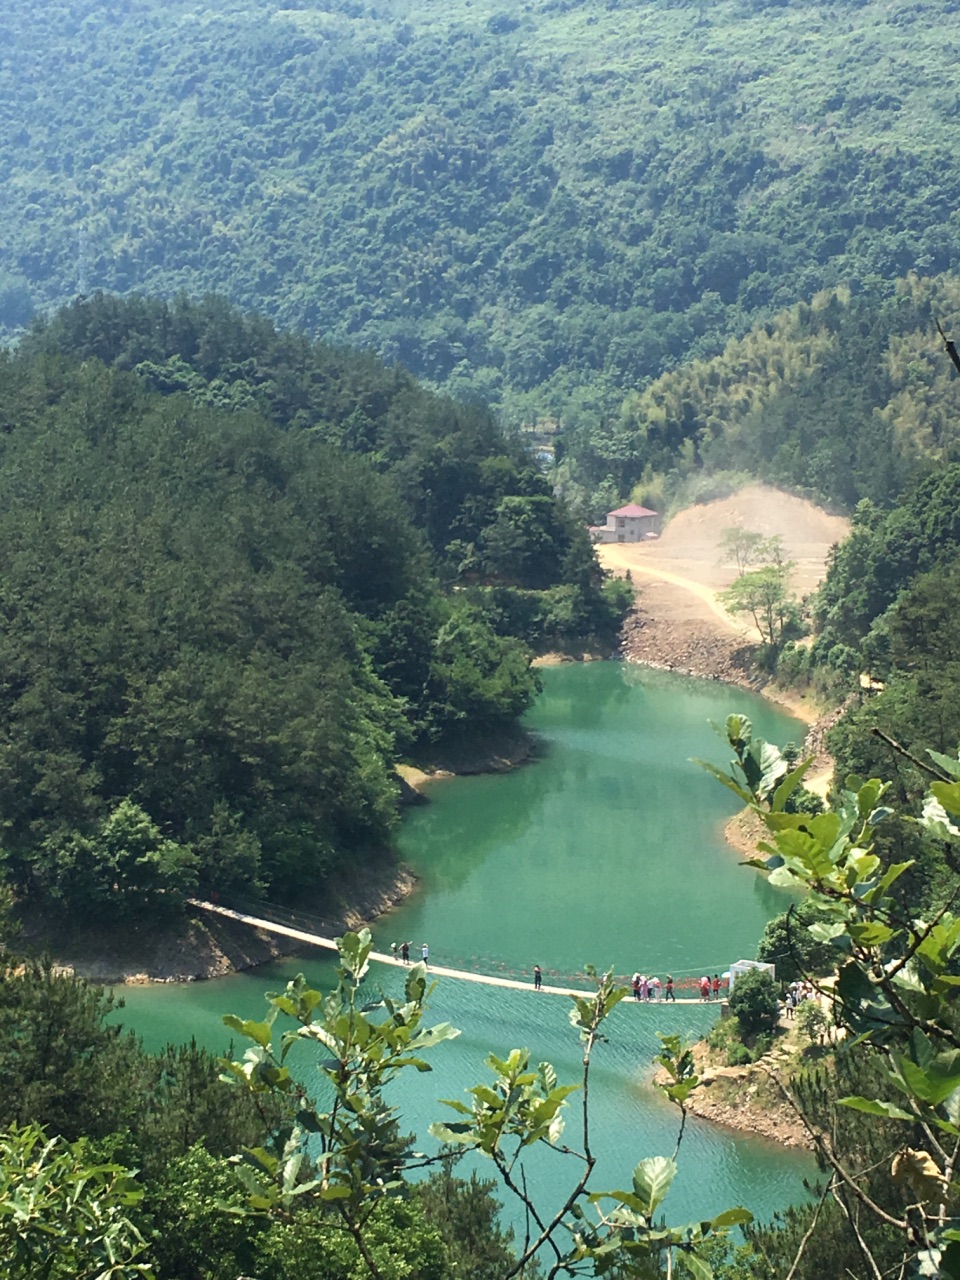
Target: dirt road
(615,557)
(687,554)
(679,623)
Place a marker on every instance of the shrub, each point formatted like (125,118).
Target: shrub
(754,1002)
(812,1021)
(738,1055)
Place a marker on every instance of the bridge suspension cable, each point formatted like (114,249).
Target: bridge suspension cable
(463,975)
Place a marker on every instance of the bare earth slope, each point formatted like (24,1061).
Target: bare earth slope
(679,623)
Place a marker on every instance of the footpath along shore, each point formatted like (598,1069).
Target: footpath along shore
(679,623)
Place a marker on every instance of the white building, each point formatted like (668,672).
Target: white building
(627,524)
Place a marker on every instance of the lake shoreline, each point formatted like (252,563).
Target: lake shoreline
(206,947)
(739,1098)
(705,654)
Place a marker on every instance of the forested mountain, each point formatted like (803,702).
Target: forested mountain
(850,396)
(543,204)
(220,626)
(888,607)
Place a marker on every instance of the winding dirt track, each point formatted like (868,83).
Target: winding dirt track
(687,553)
(614,556)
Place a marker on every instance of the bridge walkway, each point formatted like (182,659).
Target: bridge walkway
(436,970)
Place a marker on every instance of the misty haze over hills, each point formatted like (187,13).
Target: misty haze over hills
(543,204)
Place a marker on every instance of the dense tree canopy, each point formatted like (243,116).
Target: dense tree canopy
(537,208)
(222,622)
(845,398)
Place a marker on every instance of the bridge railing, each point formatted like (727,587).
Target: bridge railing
(686,981)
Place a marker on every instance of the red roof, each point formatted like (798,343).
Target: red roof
(631,509)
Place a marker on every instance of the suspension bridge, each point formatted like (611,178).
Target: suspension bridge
(436,970)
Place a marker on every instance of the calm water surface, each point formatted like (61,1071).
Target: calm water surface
(607,850)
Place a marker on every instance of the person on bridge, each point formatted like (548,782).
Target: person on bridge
(669,993)
(716,986)
(405,952)
(537,977)
(425,952)
(704,988)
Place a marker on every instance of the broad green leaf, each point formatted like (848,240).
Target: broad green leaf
(869,933)
(893,873)
(462,1133)
(697,1267)
(935,1083)
(773,767)
(258,1031)
(823,931)
(949,1261)
(949,764)
(741,792)
(731,1218)
(461,1107)
(789,784)
(873,1107)
(627,1198)
(867,796)
(738,729)
(334,1191)
(652,1178)
(948,794)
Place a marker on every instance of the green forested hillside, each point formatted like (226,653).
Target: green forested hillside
(544,204)
(221,624)
(847,397)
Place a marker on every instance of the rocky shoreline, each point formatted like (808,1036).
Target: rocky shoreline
(744,1098)
(710,654)
(209,946)
(689,649)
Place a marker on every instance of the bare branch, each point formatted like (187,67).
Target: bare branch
(908,755)
(824,1150)
(808,1234)
(839,1197)
(951,347)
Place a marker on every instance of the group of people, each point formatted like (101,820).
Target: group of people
(403,950)
(642,986)
(795,995)
(645,988)
(710,987)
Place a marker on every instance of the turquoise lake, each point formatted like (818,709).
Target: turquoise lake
(606,849)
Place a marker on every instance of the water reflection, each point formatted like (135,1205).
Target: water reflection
(607,850)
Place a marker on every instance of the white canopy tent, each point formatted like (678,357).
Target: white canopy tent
(741,966)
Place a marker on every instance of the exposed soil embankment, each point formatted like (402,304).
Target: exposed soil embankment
(207,946)
(679,623)
(745,1098)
